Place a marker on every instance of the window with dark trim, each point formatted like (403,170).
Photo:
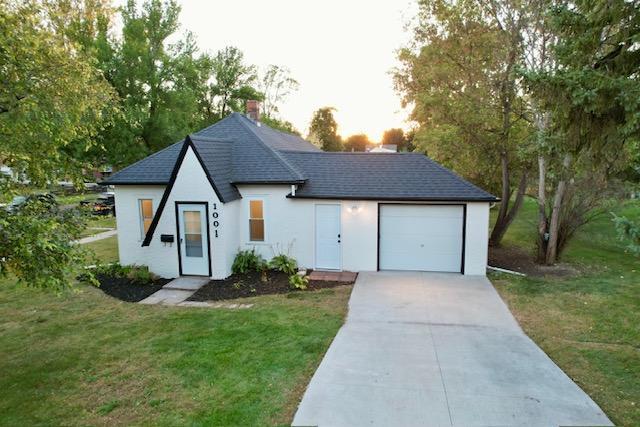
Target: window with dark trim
(256,220)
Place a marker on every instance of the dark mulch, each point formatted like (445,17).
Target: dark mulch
(522,261)
(126,290)
(251,284)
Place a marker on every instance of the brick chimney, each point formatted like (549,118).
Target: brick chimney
(253,110)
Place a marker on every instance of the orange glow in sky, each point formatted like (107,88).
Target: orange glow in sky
(340,51)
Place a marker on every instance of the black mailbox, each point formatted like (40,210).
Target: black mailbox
(166,238)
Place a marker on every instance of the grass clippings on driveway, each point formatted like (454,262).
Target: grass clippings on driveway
(83,358)
(586,322)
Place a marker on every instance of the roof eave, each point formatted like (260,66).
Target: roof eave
(263,182)
(132,183)
(401,199)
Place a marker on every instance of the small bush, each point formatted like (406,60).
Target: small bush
(136,274)
(246,261)
(629,232)
(298,282)
(284,263)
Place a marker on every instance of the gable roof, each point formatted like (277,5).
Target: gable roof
(237,150)
(380,176)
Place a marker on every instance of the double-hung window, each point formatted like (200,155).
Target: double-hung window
(146,215)
(256,220)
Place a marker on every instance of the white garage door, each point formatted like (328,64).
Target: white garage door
(421,237)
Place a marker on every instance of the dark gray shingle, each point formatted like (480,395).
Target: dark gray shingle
(383,176)
(236,150)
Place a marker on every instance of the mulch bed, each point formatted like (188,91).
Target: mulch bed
(522,261)
(126,290)
(252,284)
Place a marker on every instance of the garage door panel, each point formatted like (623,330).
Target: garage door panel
(426,226)
(421,237)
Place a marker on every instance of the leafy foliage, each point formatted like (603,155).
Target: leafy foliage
(298,282)
(136,274)
(397,137)
(628,231)
(284,263)
(53,102)
(357,143)
(247,260)
(36,243)
(590,98)
(323,130)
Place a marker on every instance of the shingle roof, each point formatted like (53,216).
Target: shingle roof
(236,150)
(380,176)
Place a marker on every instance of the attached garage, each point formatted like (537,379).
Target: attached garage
(421,237)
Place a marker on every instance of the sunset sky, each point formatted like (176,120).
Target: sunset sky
(340,52)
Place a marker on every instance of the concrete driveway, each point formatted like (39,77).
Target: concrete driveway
(430,349)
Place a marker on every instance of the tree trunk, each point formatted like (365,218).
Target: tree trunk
(542,210)
(554,223)
(501,227)
(498,231)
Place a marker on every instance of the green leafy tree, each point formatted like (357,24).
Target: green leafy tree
(395,137)
(323,130)
(276,85)
(233,83)
(53,103)
(590,103)
(357,142)
(280,124)
(460,76)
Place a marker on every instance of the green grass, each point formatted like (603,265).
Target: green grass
(106,221)
(83,358)
(588,324)
(94,222)
(106,250)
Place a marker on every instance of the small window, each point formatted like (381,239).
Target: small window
(256,221)
(146,215)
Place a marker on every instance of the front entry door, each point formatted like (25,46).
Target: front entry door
(328,237)
(194,239)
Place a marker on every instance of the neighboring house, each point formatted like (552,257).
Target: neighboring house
(384,148)
(238,184)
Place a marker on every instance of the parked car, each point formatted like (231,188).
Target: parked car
(48,200)
(104,204)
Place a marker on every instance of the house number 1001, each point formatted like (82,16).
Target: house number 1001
(216,223)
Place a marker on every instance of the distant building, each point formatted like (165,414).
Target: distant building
(384,148)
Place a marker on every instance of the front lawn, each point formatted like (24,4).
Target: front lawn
(106,250)
(83,358)
(589,323)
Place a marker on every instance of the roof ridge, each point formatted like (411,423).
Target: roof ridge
(350,152)
(272,150)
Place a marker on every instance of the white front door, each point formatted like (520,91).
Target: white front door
(421,237)
(328,237)
(193,239)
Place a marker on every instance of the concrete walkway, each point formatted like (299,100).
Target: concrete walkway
(429,349)
(176,291)
(96,237)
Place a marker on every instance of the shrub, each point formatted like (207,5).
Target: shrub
(139,275)
(628,231)
(246,261)
(284,263)
(298,282)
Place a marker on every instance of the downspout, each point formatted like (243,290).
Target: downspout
(294,187)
